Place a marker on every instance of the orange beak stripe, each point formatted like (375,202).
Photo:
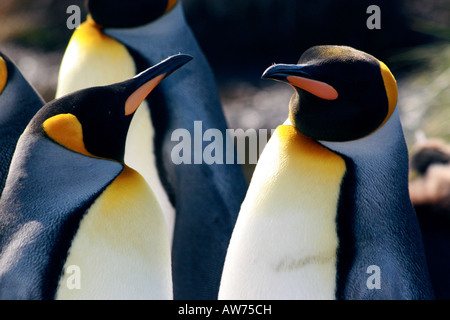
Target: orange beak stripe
(319,89)
(136,98)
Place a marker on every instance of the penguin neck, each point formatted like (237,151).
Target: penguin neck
(140,155)
(379,166)
(172,20)
(383,151)
(378,144)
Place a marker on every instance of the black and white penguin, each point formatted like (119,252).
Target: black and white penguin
(76,222)
(19,102)
(200,201)
(328,214)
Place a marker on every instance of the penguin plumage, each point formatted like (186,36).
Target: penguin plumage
(200,201)
(328,214)
(19,102)
(70,201)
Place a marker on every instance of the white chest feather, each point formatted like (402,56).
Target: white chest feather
(121,249)
(285,241)
(140,155)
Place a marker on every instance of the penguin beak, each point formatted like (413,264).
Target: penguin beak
(146,81)
(298,77)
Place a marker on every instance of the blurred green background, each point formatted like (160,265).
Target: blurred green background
(241,38)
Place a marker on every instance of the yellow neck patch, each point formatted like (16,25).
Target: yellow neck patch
(295,145)
(171,4)
(90,34)
(3,74)
(66,130)
(91,59)
(391,90)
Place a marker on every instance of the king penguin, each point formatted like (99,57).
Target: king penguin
(327,214)
(19,102)
(200,201)
(76,222)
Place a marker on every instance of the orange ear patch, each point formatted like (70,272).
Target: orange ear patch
(171,4)
(66,130)
(317,88)
(3,74)
(391,89)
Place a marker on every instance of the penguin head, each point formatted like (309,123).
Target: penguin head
(95,121)
(341,94)
(127,14)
